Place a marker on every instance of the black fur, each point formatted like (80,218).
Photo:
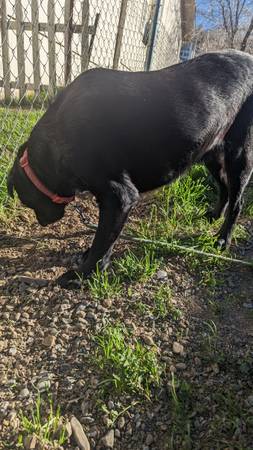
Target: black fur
(118,134)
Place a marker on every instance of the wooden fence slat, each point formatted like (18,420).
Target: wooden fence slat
(59,27)
(68,19)
(51,47)
(85,36)
(5,51)
(35,46)
(119,37)
(20,48)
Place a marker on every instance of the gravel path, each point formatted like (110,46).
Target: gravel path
(46,343)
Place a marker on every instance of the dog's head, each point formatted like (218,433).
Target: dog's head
(45,210)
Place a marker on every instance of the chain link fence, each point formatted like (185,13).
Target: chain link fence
(45,44)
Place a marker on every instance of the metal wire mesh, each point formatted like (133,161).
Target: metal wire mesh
(45,44)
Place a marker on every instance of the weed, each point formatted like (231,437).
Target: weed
(163,305)
(125,366)
(211,336)
(142,308)
(231,417)
(181,408)
(113,414)
(134,268)
(104,285)
(45,422)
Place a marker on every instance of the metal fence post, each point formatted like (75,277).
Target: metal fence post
(152,37)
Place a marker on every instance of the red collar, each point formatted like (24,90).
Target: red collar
(24,163)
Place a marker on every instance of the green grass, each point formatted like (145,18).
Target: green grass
(125,365)
(104,284)
(44,422)
(178,215)
(163,305)
(181,406)
(16,126)
(137,267)
(159,304)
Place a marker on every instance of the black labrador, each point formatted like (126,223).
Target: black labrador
(119,134)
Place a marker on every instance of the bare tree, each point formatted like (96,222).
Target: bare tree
(232,19)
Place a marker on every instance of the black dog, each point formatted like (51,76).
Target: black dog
(119,134)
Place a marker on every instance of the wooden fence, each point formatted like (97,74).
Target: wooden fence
(87,33)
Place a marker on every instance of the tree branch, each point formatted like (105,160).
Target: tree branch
(247,35)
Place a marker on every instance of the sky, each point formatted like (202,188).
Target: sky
(204,6)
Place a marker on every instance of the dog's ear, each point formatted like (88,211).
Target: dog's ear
(10,185)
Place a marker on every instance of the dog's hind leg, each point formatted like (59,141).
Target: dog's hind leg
(115,204)
(239,165)
(215,162)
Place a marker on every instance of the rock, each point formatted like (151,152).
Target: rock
(87,420)
(107,421)
(117,433)
(161,275)
(35,281)
(13,420)
(178,348)
(121,422)
(12,351)
(110,405)
(49,341)
(79,434)
(181,366)
(2,345)
(84,407)
(250,400)
(107,303)
(24,393)
(43,385)
(147,339)
(149,439)
(91,316)
(30,442)
(108,439)
(68,429)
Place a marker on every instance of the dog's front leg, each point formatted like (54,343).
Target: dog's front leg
(115,204)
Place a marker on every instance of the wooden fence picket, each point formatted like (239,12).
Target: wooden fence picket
(51,48)
(35,46)
(5,52)
(20,49)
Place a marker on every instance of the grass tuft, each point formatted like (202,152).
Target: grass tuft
(125,366)
(104,284)
(134,268)
(44,422)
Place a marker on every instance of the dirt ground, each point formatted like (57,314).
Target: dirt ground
(46,336)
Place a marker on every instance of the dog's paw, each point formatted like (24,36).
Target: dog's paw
(70,280)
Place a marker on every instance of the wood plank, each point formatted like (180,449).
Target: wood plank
(5,51)
(35,46)
(68,19)
(85,36)
(120,31)
(43,27)
(51,48)
(20,48)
